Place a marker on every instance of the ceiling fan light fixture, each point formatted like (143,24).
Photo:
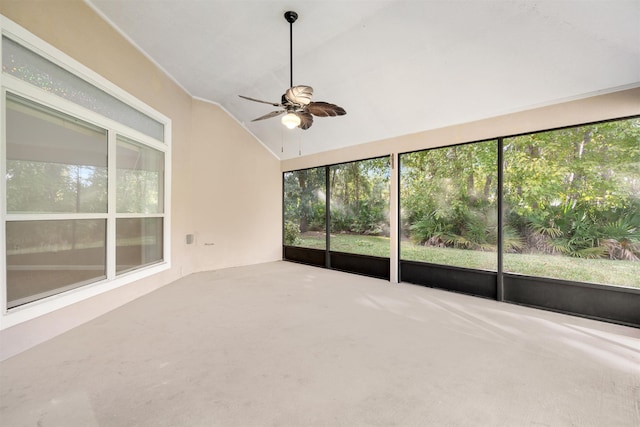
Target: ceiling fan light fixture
(291,120)
(296,101)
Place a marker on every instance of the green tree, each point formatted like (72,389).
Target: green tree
(360,197)
(567,190)
(448,196)
(304,192)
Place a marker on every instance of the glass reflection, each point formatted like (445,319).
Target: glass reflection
(48,257)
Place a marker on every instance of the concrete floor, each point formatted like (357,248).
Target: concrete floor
(283,344)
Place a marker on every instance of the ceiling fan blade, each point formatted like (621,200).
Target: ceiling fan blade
(325,109)
(306,120)
(300,95)
(269,115)
(275,104)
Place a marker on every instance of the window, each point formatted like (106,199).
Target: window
(55,164)
(360,207)
(32,68)
(45,257)
(449,206)
(305,208)
(572,200)
(139,181)
(84,198)
(356,195)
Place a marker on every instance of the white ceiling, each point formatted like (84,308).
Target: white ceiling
(396,66)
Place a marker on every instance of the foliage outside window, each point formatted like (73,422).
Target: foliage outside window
(449,206)
(572,198)
(54,164)
(305,208)
(360,207)
(57,202)
(83,181)
(140,177)
(139,191)
(571,204)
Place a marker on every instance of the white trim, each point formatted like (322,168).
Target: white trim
(111,208)
(135,45)
(56,267)
(174,80)
(42,97)
(8,83)
(53,216)
(3,199)
(394,218)
(166,214)
(197,98)
(61,59)
(47,305)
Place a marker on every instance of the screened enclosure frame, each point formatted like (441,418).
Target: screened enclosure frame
(364,264)
(610,303)
(616,304)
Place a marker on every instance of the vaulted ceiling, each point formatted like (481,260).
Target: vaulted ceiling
(396,66)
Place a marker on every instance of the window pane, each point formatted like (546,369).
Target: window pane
(138,242)
(449,206)
(24,64)
(55,163)
(360,207)
(305,208)
(49,257)
(140,178)
(572,197)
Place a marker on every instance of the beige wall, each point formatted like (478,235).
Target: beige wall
(613,105)
(225,184)
(238,211)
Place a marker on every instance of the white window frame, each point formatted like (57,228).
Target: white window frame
(8,83)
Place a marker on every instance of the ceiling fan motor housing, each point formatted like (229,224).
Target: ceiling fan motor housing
(290,16)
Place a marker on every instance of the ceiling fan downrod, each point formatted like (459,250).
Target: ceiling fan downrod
(291,17)
(295,103)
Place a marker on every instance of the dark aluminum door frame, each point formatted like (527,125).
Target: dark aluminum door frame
(613,304)
(315,257)
(465,280)
(367,265)
(602,302)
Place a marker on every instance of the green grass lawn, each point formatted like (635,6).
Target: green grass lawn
(620,273)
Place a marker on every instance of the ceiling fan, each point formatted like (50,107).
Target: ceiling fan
(296,101)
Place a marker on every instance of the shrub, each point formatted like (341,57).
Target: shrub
(291,233)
